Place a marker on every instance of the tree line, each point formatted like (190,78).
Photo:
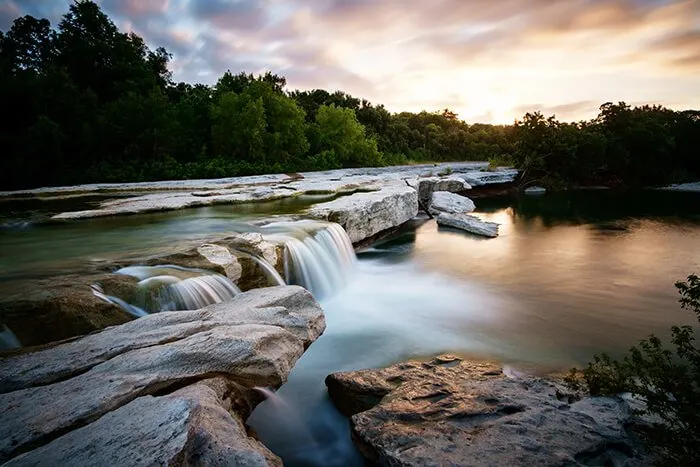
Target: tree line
(86,102)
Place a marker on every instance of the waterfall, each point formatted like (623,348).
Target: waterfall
(131,309)
(318,255)
(270,272)
(168,288)
(8,340)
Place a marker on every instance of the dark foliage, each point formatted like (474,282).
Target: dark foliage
(87,103)
(666,379)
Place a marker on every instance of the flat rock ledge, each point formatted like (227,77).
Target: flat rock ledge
(450,411)
(451,203)
(364,215)
(469,224)
(172,388)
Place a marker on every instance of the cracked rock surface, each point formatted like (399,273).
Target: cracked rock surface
(450,411)
(173,386)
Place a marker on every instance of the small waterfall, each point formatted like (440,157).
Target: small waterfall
(302,447)
(169,288)
(270,272)
(8,340)
(131,309)
(318,255)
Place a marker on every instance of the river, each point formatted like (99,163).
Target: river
(571,274)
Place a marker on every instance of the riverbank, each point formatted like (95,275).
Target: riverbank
(171,387)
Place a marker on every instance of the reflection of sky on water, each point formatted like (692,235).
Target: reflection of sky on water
(545,295)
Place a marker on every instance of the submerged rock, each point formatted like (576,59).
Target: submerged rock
(469,224)
(364,215)
(535,190)
(454,412)
(140,367)
(444,201)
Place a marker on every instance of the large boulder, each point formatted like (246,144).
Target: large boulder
(252,340)
(192,426)
(427,186)
(499,176)
(443,201)
(49,310)
(469,224)
(235,257)
(454,412)
(364,215)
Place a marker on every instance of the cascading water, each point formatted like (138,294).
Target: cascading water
(129,308)
(8,340)
(169,288)
(318,255)
(269,271)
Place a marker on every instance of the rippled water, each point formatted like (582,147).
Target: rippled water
(571,274)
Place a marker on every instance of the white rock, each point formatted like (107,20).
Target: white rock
(535,190)
(252,340)
(192,426)
(491,177)
(221,256)
(443,201)
(469,224)
(363,215)
(427,186)
(690,187)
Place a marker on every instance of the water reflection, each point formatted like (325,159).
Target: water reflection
(548,293)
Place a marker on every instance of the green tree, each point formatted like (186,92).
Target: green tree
(344,139)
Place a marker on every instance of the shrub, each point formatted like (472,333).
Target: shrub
(667,380)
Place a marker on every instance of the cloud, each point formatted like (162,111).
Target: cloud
(484,58)
(570,111)
(230,14)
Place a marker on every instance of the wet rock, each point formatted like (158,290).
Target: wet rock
(454,412)
(469,224)
(535,190)
(192,426)
(231,257)
(364,215)
(253,340)
(290,307)
(444,201)
(54,309)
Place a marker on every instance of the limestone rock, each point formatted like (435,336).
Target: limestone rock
(469,224)
(221,256)
(535,190)
(63,307)
(290,307)
(192,426)
(453,412)
(452,184)
(253,340)
(490,177)
(444,201)
(364,215)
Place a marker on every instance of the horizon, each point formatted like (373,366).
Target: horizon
(566,58)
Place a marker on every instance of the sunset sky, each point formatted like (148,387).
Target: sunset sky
(489,60)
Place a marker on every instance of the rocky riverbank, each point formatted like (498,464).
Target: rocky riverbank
(450,411)
(168,388)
